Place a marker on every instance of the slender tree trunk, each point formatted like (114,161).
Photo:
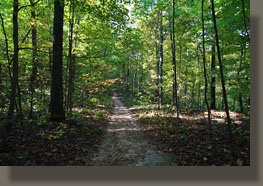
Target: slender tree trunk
(161,62)
(199,83)
(73,69)
(238,81)
(34,60)
(205,73)
(172,38)
(222,79)
(199,95)
(244,48)
(19,111)
(179,72)
(56,104)
(70,59)
(127,80)
(6,48)
(157,60)
(213,80)
(172,48)
(244,18)
(14,68)
(141,77)
(134,80)
(193,97)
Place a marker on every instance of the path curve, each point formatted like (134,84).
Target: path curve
(124,143)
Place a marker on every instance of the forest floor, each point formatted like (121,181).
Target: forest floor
(40,142)
(188,138)
(116,140)
(135,136)
(69,143)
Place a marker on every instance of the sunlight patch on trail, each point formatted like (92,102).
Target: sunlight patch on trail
(125,144)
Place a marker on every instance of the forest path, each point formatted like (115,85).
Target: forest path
(124,143)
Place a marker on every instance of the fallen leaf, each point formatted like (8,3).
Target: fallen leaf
(159,152)
(55,150)
(239,162)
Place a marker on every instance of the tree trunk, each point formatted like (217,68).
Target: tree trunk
(199,83)
(161,63)
(157,60)
(222,79)
(172,38)
(205,73)
(134,80)
(6,48)
(127,80)
(34,60)
(56,104)
(244,18)
(70,58)
(238,81)
(14,68)
(72,74)
(213,80)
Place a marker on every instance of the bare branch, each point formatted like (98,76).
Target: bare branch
(28,5)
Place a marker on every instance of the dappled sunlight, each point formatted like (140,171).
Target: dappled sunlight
(191,117)
(220,116)
(112,82)
(77,109)
(122,116)
(123,129)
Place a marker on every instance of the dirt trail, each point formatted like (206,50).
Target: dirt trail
(124,143)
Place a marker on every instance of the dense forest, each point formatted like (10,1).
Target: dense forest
(176,70)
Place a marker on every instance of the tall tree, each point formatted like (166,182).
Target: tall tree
(238,80)
(34,58)
(157,57)
(70,57)
(172,38)
(56,104)
(213,79)
(222,77)
(160,102)
(205,73)
(14,67)
(6,47)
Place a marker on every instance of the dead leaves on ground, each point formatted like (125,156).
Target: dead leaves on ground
(189,140)
(54,143)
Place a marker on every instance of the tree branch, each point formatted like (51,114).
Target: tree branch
(28,5)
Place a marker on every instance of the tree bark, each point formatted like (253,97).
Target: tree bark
(73,69)
(244,18)
(222,79)
(6,48)
(161,63)
(127,80)
(14,68)
(205,73)
(157,59)
(172,38)
(238,81)
(34,60)
(70,58)
(213,80)
(56,104)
